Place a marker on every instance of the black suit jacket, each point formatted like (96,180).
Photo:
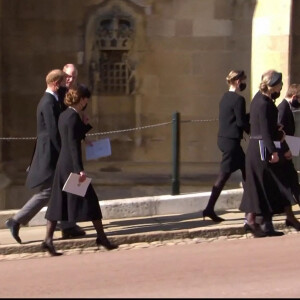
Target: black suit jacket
(233,120)
(286,117)
(61,97)
(48,142)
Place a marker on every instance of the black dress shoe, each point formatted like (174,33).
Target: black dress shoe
(255,230)
(290,224)
(14,228)
(212,215)
(75,231)
(50,248)
(274,233)
(268,228)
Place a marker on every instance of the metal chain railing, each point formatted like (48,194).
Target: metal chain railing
(115,131)
(130,129)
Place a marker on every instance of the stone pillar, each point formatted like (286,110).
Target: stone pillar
(271,40)
(4,180)
(1,87)
(296,159)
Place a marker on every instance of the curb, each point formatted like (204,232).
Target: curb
(148,206)
(215,232)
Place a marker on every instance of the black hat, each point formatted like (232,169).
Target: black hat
(240,75)
(275,79)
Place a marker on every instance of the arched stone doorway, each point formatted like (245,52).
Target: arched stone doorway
(113,46)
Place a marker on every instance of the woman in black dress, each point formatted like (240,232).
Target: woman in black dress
(233,122)
(264,192)
(65,206)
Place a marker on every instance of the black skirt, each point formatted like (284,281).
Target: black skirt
(233,156)
(65,206)
(264,191)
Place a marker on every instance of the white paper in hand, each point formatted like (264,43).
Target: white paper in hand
(294,144)
(100,148)
(73,186)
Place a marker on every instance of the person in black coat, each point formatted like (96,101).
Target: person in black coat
(42,167)
(291,102)
(264,192)
(69,229)
(65,206)
(285,109)
(233,122)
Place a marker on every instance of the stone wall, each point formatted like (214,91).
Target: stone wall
(194,44)
(190,47)
(183,51)
(37,37)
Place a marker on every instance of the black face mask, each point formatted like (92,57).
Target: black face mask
(275,95)
(295,103)
(242,86)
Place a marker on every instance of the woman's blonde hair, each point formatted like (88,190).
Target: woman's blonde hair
(269,80)
(74,95)
(235,75)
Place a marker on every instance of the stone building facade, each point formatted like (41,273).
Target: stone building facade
(144,60)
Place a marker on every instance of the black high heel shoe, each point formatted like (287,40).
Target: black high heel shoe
(50,248)
(290,224)
(106,243)
(212,215)
(255,230)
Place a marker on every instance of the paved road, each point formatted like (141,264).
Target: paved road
(267,267)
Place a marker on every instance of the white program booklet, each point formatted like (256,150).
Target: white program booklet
(100,148)
(73,186)
(294,144)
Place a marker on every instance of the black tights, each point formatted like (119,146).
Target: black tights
(50,228)
(51,225)
(218,187)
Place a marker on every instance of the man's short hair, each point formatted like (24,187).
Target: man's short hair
(55,75)
(294,89)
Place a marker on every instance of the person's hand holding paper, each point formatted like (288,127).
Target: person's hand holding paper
(82,177)
(74,185)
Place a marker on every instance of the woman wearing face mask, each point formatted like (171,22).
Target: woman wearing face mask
(264,192)
(65,206)
(233,122)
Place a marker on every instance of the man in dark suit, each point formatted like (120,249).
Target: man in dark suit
(286,119)
(286,107)
(42,167)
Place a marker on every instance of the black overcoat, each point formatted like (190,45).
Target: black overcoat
(47,147)
(65,206)
(264,193)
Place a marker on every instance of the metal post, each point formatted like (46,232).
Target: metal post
(175,153)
